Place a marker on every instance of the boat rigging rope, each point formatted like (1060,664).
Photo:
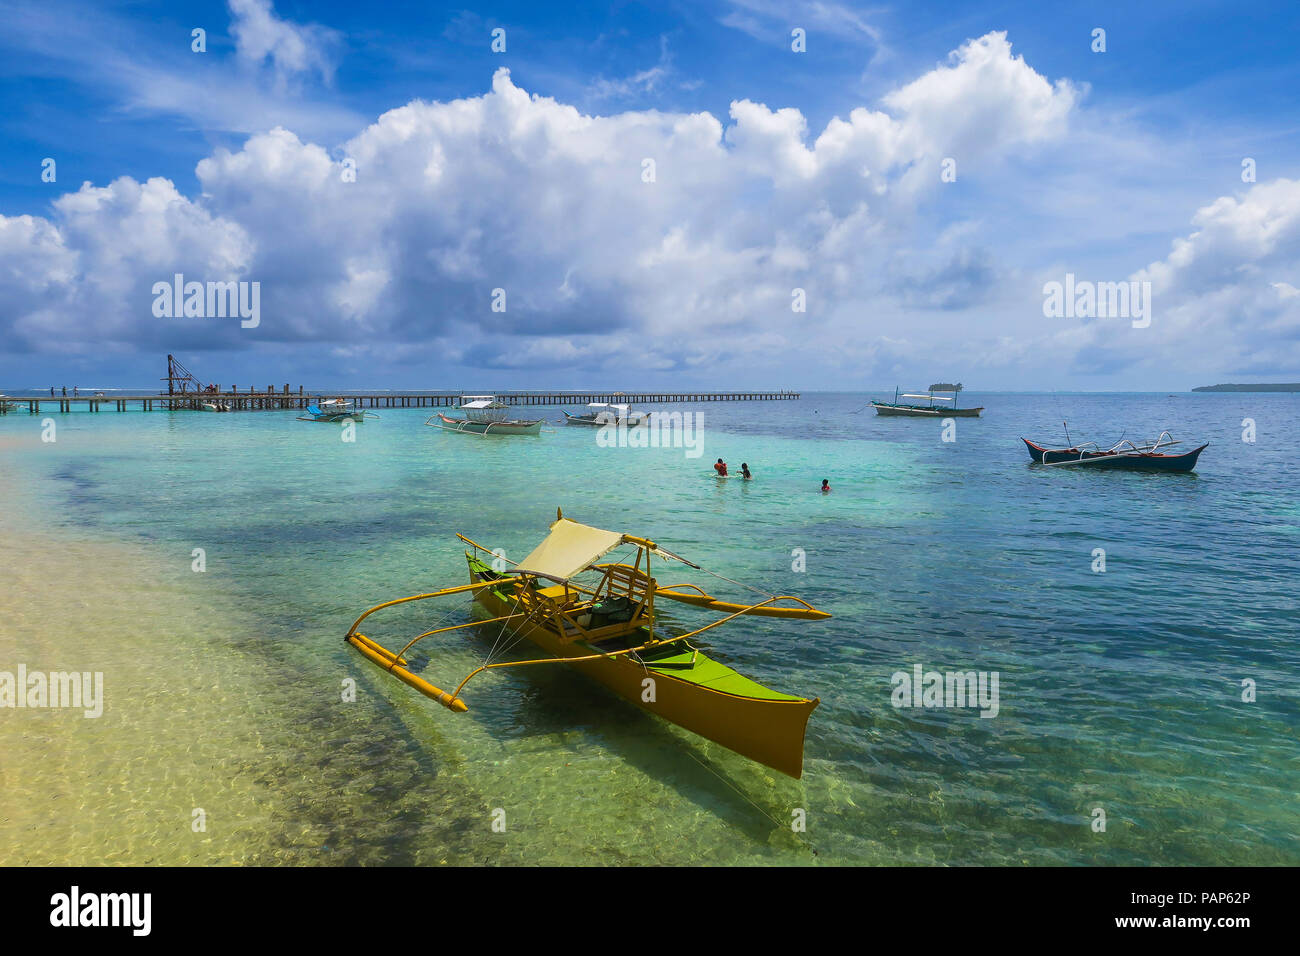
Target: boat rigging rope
(779,824)
(741,584)
(500,647)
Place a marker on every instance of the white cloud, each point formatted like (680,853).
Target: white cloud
(985,98)
(291,48)
(602,270)
(211,92)
(647,81)
(1220,302)
(772,20)
(1222,287)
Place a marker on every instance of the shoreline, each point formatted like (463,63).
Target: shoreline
(122,788)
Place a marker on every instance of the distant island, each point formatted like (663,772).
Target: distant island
(1284,387)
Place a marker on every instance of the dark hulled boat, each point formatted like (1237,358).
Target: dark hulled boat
(1123,454)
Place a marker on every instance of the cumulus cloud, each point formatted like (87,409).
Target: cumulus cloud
(602,265)
(984,96)
(1225,285)
(1222,301)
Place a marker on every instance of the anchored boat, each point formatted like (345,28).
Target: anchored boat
(605,413)
(485,415)
(605,628)
(1123,454)
(929,410)
(335,410)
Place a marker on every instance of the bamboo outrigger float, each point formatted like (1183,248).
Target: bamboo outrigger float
(606,630)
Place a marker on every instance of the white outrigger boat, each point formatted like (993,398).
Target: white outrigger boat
(607,413)
(485,415)
(335,410)
(896,408)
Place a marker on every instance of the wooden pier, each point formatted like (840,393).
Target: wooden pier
(272,400)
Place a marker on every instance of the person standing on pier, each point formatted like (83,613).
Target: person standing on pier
(65,391)
(51,391)
(74,391)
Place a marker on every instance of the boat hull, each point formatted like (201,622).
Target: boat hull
(596,421)
(924,411)
(770,731)
(334,419)
(1144,462)
(491,428)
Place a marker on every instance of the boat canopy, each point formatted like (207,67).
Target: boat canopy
(933,398)
(569,548)
(481,403)
(613,405)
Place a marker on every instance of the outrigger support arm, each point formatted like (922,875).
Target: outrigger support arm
(394,663)
(457,627)
(417,597)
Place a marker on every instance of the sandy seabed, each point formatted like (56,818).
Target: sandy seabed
(178,732)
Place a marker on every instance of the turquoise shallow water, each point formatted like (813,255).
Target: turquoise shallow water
(1119,690)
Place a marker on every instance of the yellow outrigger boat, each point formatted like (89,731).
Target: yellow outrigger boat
(606,630)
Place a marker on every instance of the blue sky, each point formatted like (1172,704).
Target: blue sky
(1114,166)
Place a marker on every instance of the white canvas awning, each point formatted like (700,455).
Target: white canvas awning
(569,548)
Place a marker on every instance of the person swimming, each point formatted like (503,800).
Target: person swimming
(721,468)
(744,471)
(826,485)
